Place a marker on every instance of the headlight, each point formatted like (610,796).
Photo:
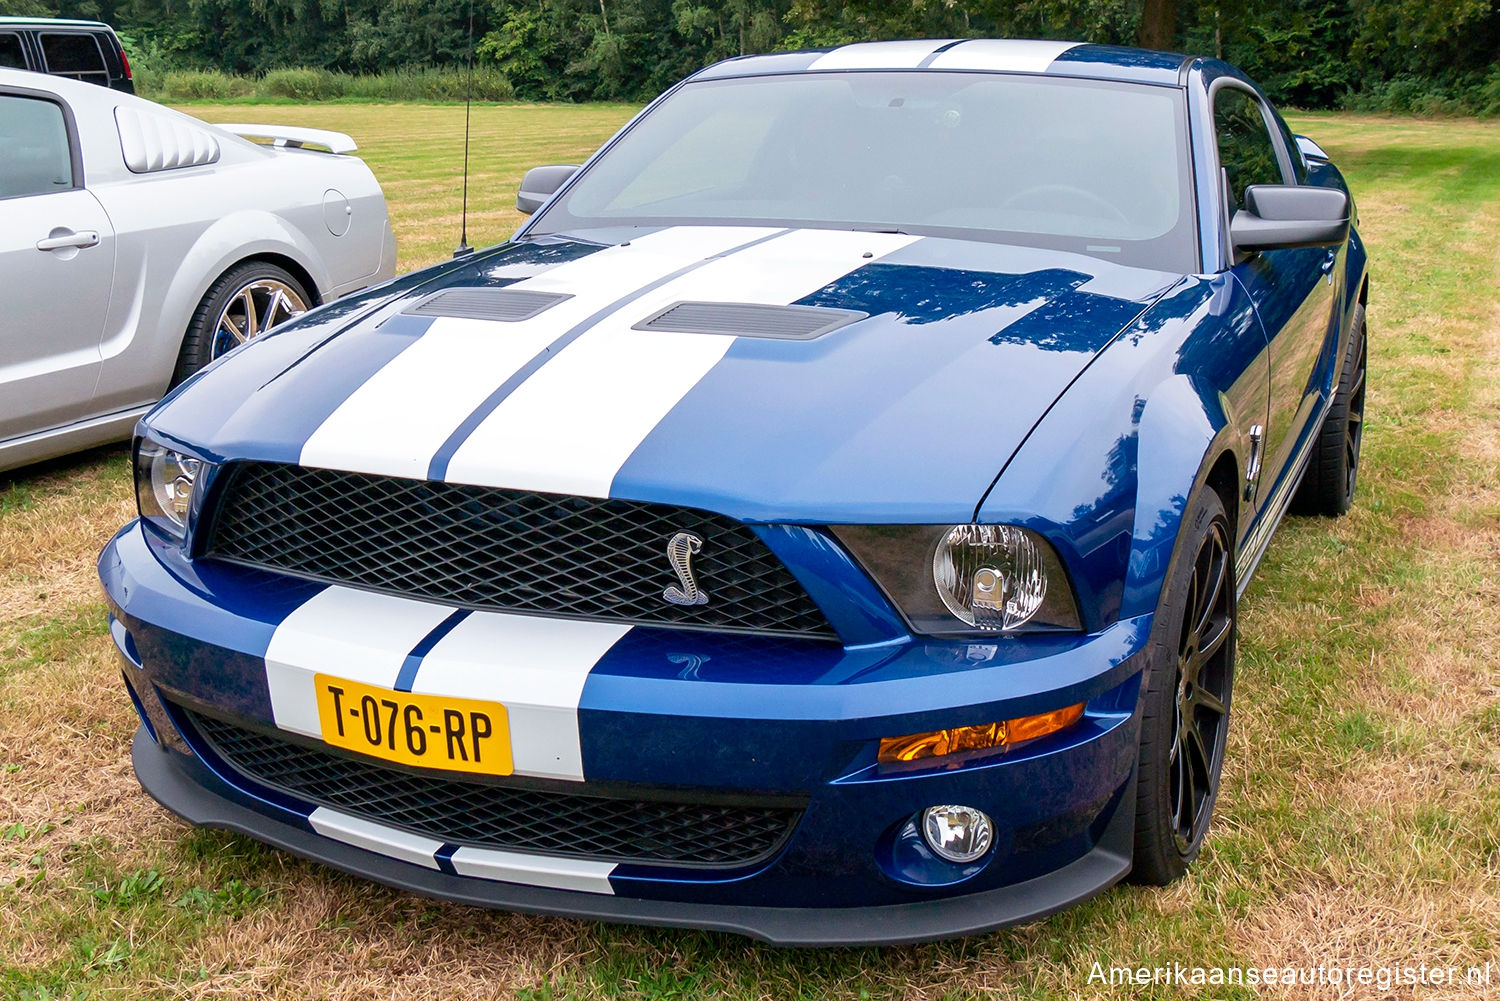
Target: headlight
(990,576)
(966,579)
(165,484)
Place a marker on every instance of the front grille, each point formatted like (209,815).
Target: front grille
(455,811)
(487,548)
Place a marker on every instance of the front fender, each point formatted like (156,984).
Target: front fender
(1184,433)
(1107,472)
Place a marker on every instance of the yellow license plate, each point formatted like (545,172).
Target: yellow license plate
(426,731)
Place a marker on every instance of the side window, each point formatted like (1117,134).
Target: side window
(1299,164)
(34,155)
(12,56)
(76,56)
(1245,149)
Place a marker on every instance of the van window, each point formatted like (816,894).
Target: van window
(11,54)
(76,56)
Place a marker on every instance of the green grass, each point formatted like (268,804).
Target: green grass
(1360,817)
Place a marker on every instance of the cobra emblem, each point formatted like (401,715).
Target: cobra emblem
(680,553)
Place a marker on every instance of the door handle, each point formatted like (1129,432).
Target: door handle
(79,240)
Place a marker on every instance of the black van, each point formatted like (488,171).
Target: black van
(80,50)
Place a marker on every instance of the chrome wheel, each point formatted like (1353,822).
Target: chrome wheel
(1204,673)
(251,311)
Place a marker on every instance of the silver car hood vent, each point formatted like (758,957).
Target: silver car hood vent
(152,141)
(741,319)
(508,305)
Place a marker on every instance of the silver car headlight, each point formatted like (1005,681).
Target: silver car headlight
(967,579)
(166,482)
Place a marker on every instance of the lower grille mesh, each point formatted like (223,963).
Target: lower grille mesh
(650,832)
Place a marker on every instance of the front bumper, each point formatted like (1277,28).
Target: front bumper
(670,712)
(185,788)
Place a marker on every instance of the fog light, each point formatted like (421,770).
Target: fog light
(957,833)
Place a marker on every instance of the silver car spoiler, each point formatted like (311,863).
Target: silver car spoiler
(293,136)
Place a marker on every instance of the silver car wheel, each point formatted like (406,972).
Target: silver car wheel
(255,308)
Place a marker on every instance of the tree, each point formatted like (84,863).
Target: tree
(1158,24)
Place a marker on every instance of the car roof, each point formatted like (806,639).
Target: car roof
(993,55)
(50,22)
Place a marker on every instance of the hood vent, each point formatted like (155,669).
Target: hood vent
(508,305)
(788,323)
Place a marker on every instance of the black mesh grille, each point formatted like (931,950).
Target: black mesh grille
(482,547)
(651,832)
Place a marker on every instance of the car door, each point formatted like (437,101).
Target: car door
(1291,290)
(56,267)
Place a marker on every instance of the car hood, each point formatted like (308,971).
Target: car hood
(940,357)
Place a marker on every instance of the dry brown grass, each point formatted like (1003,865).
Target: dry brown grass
(43,562)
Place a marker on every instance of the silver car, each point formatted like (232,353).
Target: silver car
(138,244)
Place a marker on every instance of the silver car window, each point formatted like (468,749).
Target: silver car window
(34,155)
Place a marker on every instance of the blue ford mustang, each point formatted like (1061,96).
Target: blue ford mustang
(823,520)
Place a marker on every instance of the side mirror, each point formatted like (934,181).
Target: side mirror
(541,183)
(1278,216)
(1312,149)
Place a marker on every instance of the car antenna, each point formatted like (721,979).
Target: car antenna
(463,249)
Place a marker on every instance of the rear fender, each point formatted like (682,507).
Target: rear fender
(227,242)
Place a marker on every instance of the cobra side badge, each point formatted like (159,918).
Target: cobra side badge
(680,553)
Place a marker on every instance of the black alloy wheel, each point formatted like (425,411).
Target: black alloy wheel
(1327,486)
(1204,667)
(1189,686)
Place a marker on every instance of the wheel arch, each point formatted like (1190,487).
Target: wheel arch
(1189,440)
(237,238)
(288,264)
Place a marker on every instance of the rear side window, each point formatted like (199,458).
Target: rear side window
(76,56)
(11,54)
(1246,151)
(35,158)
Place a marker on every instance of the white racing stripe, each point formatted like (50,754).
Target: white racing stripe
(353,634)
(481,863)
(1006,55)
(536,667)
(361,833)
(397,420)
(571,426)
(878,55)
(534,870)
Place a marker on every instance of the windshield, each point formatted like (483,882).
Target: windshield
(1095,168)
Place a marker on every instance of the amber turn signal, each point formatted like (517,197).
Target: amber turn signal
(977,738)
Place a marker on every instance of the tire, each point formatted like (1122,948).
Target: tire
(1189,687)
(222,322)
(1327,486)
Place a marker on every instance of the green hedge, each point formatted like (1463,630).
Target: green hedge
(308,85)
(1409,95)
